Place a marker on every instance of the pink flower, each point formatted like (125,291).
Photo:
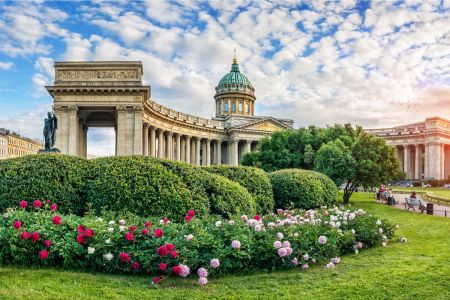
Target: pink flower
(53,207)
(306,256)
(156,280)
(166,220)
(25,235)
(214,263)
(359,245)
(289,250)
(330,266)
(162,266)
(294,261)
(277,244)
(244,218)
(202,281)
(313,260)
(322,240)
(17,225)
(158,232)
(129,236)
(48,201)
(48,243)
(35,236)
(335,260)
(43,254)
(56,220)
(282,252)
(23,204)
(125,257)
(189,237)
(37,203)
(280,235)
(184,270)
(191,213)
(236,244)
(135,266)
(305,266)
(286,244)
(145,231)
(202,272)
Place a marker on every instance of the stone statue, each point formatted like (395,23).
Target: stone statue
(50,126)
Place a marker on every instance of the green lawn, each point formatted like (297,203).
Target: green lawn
(419,269)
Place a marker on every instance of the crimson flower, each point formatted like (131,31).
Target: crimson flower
(174,254)
(43,254)
(135,266)
(132,228)
(170,247)
(145,231)
(53,207)
(48,243)
(191,213)
(48,201)
(37,203)
(89,232)
(17,225)
(188,218)
(129,236)
(156,280)
(81,229)
(162,251)
(162,266)
(176,270)
(35,236)
(81,239)
(158,232)
(23,204)
(148,224)
(56,220)
(25,235)
(257,217)
(125,257)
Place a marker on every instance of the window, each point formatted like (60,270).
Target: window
(240,106)
(233,107)
(247,108)
(225,106)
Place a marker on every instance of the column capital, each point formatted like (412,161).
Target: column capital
(73,108)
(170,133)
(121,108)
(188,137)
(146,126)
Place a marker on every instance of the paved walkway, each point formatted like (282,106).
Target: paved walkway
(438,209)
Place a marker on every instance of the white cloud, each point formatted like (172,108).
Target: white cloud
(6,65)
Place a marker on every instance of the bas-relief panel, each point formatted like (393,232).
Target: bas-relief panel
(266,126)
(99,75)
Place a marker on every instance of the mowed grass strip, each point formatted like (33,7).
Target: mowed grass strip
(418,269)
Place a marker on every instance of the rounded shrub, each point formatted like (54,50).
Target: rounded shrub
(301,189)
(44,176)
(139,186)
(255,180)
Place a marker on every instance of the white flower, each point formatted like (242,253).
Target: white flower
(356,251)
(383,244)
(384,237)
(108,256)
(351,216)
(280,235)
(397,226)
(244,218)
(189,237)
(404,240)
(100,219)
(121,228)
(108,241)
(353,231)
(91,250)
(122,222)
(338,224)
(330,265)
(296,234)
(231,222)
(110,229)
(258,227)
(218,223)
(111,222)
(380,230)
(378,222)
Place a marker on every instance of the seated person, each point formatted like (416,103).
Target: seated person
(413,195)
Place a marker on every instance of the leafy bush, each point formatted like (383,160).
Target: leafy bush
(49,176)
(302,189)
(256,181)
(38,236)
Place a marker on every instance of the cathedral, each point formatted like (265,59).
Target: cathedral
(111,94)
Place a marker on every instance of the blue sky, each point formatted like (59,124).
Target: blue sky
(317,63)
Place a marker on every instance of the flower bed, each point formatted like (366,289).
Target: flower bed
(35,234)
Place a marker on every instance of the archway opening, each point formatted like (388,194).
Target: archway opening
(101,141)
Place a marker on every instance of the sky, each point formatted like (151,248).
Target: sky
(371,63)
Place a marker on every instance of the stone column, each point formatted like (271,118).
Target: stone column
(178,137)
(234,152)
(443,161)
(160,143)
(183,149)
(427,160)
(208,152)
(121,130)
(248,146)
(433,160)
(406,156)
(73,130)
(188,149)
(218,152)
(59,116)
(153,141)
(137,138)
(197,151)
(421,162)
(145,142)
(170,145)
(417,163)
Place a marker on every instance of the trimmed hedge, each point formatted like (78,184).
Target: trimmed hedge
(302,189)
(255,180)
(52,176)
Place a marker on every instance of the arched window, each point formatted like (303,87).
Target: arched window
(240,107)
(225,107)
(233,107)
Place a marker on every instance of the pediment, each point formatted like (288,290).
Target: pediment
(266,125)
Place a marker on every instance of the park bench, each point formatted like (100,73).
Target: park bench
(412,202)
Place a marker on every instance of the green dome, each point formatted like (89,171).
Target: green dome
(235,81)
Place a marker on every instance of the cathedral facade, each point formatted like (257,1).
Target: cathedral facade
(111,94)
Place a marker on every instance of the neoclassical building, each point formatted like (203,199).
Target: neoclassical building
(423,148)
(111,94)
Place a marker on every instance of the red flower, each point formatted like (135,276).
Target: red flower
(37,203)
(257,217)
(162,266)
(53,207)
(176,270)
(174,254)
(17,224)
(188,218)
(135,266)
(89,232)
(148,224)
(132,228)
(35,236)
(48,201)
(43,254)
(23,204)
(145,231)
(170,247)
(156,280)
(25,235)
(81,229)
(81,239)
(48,243)
(125,257)
(158,232)
(129,236)
(162,251)
(56,220)
(191,213)
(166,220)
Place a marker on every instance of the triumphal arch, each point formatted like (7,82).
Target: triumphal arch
(111,94)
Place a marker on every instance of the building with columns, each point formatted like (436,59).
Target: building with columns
(111,94)
(423,148)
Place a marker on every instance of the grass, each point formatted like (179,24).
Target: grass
(419,269)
